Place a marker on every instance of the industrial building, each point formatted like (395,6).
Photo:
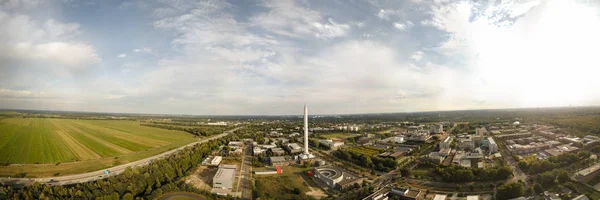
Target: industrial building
(224,177)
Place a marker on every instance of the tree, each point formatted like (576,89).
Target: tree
(538,188)
(563,176)
(404,172)
(128,196)
(511,190)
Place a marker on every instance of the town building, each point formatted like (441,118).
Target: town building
(588,173)
(481,131)
(335,177)
(440,197)
(281,161)
(466,143)
(294,147)
(491,144)
(446,144)
(224,177)
(436,128)
(404,193)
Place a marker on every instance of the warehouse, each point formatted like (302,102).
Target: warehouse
(225,177)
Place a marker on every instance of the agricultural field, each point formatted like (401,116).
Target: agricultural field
(66,141)
(368,151)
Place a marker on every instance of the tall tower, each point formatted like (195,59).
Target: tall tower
(305,130)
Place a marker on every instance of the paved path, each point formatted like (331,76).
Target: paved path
(92,176)
(246,174)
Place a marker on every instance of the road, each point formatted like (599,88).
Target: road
(96,175)
(246,173)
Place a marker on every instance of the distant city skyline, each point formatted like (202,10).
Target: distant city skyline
(263,57)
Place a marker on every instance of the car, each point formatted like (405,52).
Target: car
(52,181)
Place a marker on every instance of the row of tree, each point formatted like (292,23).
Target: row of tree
(463,174)
(199,131)
(147,182)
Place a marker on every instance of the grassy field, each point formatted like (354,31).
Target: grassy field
(369,151)
(79,145)
(338,135)
(281,186)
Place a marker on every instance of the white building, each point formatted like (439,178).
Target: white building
(217,123)
(446,144)
(481,131)
(466,143)
(436,128)
(216,160)
(492,145)
(224,177)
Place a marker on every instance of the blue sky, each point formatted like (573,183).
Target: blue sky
(269,57)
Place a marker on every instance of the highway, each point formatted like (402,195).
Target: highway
(96,175)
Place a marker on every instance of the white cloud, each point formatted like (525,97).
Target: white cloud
(52,43)
(122,55)
(417,55)
(18,4)
(403,26)
(387,14)
(547,52)
(143,50)
(292,20)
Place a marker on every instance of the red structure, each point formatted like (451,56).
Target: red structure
(278,168)
(309,173)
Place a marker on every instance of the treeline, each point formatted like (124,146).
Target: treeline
(372,162)
(553,162)
(463,174)
(199,131)
(147,182)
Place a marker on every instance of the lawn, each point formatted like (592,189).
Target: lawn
(282,186)
(338,135)
(79,145)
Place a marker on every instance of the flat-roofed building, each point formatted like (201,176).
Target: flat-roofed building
(224,177)
(492,146)
(588,173)
(440,197)
(404,193)
(446,143)
(335,177)
(281,161)
(294,147)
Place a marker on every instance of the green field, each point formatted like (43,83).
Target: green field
(338,135)
(79,142)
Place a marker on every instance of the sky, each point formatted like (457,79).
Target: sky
(256,57)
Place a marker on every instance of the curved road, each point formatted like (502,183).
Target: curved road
(92,176)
